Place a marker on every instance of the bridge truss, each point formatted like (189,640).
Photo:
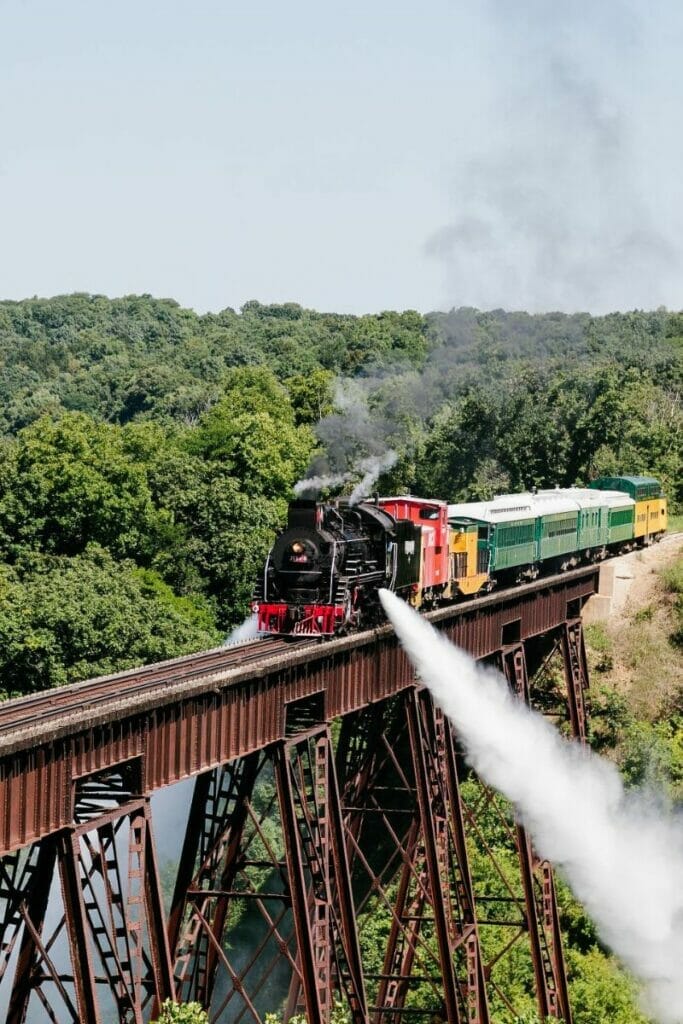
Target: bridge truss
(334,852)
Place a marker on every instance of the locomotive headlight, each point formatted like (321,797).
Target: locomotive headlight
(297,548)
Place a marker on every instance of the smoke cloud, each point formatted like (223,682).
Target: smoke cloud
(357,444)
(557,209)
(312,485)
(369,470)
(621,853)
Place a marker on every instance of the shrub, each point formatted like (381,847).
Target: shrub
(181,1013)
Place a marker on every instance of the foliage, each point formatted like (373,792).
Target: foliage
(609,713)
(63,619)
(651,754)
(673,577)
(252,432)
(311,395)
(181,1013)
(673,581)
(147,455)
(600,645)
(339,1015)
(69,482)
(545,429)
(600,991)
(171,441)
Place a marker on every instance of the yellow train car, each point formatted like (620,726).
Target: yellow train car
(468,571)
(650,518)
(650,512)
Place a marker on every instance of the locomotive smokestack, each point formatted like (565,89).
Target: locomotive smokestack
(302,513)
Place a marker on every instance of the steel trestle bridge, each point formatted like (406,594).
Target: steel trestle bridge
(334,838)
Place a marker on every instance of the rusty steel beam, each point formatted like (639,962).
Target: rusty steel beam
(543,928)
(315,987)
(32,950)
(403,937)
(412,852)
(160,950)
(432,812)
(191,727)
(374,820)
(342,897)
(218,816)
(77,927)
(576,675)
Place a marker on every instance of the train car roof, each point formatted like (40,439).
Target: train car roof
(638,487)
(587,497)
(412,499)
(492,511)
(510,508)
(638,481)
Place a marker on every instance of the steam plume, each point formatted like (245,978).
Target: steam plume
(314,484)
(369,469)
(247,630)
(621,853)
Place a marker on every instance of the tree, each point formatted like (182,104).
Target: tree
(311,395)
(69,482)
(252,432)
(69,618)
(599,991)
(181,1013)
(221,534)
(462,440)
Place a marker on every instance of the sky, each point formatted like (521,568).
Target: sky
(524,154)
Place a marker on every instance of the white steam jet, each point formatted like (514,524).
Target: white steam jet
(621,853)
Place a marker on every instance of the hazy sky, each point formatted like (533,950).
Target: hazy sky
(351,157)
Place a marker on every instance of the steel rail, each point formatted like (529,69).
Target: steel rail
(90,692)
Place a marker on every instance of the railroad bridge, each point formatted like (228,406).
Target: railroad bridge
(334,841)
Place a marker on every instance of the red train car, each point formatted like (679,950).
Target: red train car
(432,517)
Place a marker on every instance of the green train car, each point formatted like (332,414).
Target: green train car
(519,535)
(649,512)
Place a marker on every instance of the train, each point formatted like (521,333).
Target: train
(323,574)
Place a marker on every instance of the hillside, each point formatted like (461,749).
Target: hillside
(636,663)
(147,453)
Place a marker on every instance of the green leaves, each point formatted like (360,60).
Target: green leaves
(68,618)
(130,544)
(169,442)
(70,482)
(181,1013)
(600,991)
(252,432)
(553,428)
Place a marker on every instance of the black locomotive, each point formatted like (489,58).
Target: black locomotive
(323,572)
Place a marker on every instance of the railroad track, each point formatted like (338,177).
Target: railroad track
(93,693)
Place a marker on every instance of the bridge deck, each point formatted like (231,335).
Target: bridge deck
(182,717)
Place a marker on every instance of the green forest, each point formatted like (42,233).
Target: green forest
(147,455)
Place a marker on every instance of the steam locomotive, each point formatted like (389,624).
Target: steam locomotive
(324,571)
